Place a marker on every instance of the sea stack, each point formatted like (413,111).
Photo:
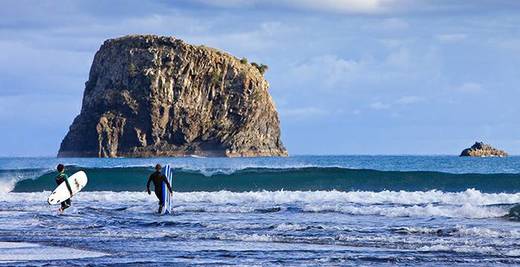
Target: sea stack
(479,149)
(150,96)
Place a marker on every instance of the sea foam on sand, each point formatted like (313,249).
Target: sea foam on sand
(22,251)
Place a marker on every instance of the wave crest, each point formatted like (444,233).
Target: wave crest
(468,204)
(271,179)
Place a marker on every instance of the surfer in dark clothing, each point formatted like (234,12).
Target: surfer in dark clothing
(62,177)
(157,178)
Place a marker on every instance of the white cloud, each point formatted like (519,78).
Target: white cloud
(403,101)
(336,6)
(400,58)
(245,43)
(334,73)
(407,100)
(395,24)
(303,112)
(392,43)
(470,87)
(389,25)
(379,105)
(346,6)
(229,3)
(451,38)
(331,70)
(366,7)
(511,44)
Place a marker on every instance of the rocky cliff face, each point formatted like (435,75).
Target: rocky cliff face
(158,96)
(480,149)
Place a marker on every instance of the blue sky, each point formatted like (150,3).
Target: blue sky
(347,76)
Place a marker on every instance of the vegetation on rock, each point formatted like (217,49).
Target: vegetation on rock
(158,96)
(479,149)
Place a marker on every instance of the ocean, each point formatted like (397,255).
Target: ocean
(299,210)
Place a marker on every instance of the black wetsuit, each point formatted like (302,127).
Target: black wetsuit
(157,178)
(62,177)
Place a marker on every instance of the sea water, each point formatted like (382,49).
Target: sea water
(301,210)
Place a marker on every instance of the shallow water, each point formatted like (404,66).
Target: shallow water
(263,227)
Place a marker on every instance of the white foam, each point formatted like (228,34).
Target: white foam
(487,232)
(5,245)
(465,211)
(234,226)
(7,185)
(20,251)
(361,197)
(468,204)
(513,253)
(9,179)
(290,227)
(463,231)
(460,249)
(248,237)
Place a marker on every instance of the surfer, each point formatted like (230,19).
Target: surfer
(157,178)
(62,177)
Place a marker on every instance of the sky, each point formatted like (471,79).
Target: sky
(347,76)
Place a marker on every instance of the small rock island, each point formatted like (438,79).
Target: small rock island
(150,96)
(479,149)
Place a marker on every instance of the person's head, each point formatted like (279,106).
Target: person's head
(60,168)
(158,167)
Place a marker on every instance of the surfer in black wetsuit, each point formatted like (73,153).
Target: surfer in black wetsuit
(62,177)
(157,178)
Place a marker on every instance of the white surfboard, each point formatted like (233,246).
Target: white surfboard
(167,198)
(77,181)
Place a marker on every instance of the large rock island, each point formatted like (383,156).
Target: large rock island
(158,96)
(479,149)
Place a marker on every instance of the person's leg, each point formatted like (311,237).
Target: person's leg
(158,194)
(65,204)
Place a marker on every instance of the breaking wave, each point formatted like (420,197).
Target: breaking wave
(269,179)
(467,204)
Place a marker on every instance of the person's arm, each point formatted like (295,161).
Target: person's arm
(148,184)
(167,184)
(59,179)
(66,179)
